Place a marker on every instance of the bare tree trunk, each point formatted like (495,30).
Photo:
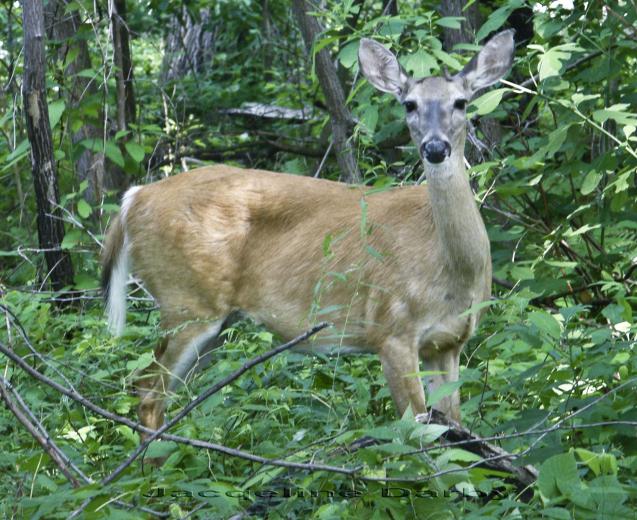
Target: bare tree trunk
(469,27)
(189,45)
(50,224)
(63,26)
(126,112)
(340,116)
(466,34)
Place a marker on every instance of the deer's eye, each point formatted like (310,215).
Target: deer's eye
(460,104)
(410,106)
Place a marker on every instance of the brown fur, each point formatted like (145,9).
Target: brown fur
(220,239)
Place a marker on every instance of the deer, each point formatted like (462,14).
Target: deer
(397,272)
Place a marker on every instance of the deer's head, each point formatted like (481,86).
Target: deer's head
(435,106)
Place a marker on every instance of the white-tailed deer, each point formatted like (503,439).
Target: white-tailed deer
(394,270)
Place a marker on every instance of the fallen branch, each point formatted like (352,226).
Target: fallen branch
(264,111)
(27,418)
(77,397)
(494,457)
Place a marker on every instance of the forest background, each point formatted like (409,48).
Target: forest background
(98,96)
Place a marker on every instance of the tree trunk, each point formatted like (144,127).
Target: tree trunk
(50,224)
(340,116)
(126,112)
(63,26)
(469,27)
(466,34)
(189,45)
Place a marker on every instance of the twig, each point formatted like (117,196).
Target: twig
(39,433)
(209,392)
(196,402)
(74,395)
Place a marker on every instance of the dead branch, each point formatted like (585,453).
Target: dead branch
(79,398)
(27,418)
(264,111)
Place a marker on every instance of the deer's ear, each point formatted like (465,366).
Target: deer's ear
(381,68)
(491,64)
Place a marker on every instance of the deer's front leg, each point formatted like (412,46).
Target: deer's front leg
(445,367)
(400,362)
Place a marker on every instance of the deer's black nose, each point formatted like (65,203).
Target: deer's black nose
(435,150)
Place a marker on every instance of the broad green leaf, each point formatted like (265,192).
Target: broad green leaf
(580,98)
(555,140)
(590,182)
(420,64)
(457,455)
(427,433)
(369,118)
(140,362)
(583,229)
(617,112)
(556,512)
(451,22)
(83,209)
(444,390)
(447,59)
(87,73)
(95,145)
(558,476)
(552,61)
(348,55)
(497,18)
(22,148)
(56,109)
(71,239)
(487,102)
(546,323)
(112,151)
(135,151)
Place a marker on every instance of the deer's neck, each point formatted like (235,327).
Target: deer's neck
(463,239)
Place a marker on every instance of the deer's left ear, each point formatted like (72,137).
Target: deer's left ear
(381,68)
(491,63)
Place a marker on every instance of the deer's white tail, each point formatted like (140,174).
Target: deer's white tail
(115,268)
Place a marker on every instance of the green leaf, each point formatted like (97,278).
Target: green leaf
(546,323)
(447,59)
(583,229)
(56,109)
(451,22)
(487,102)
(83,208)
(558,476)
(19,153)
(552,61)
(590,182)
(599,463)
(135,151)
(112,151)
(369,118)
(71,239)
(618,112)
(427,433)
(348,55)
(420,64)
(444,390)
(142,361)
(497,18)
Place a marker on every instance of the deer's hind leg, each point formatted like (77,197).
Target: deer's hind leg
(176,358)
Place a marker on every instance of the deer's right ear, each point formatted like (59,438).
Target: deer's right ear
(381,68)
